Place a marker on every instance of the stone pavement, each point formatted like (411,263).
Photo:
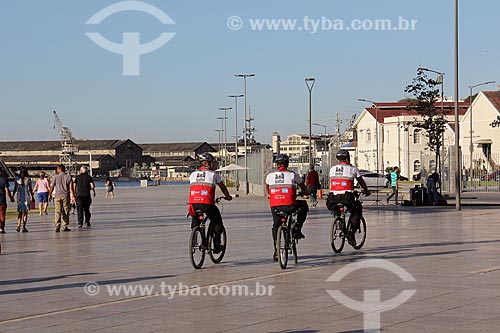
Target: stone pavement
(140,240)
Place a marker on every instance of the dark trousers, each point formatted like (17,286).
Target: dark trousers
(394,193)
(213,214)
(301,216)
(83,209)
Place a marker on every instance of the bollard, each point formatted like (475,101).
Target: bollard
(320,193)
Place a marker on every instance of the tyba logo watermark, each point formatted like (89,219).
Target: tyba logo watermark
(131,49)
(372,305)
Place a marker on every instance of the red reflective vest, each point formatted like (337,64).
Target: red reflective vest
(283,187)
(202,189)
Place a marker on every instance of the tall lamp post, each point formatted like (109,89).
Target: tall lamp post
(471,147)
(374,104)
(245,76)
(225,109)
(310,81)
(219,133)
(236,136)
(221,146)
(458,171)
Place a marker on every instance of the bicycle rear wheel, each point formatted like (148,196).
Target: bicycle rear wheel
(337,236)
(360,234)
(282,246)
(197,247)
(217,257)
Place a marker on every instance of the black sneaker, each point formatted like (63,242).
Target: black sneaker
(88,225)
(58,230)
(66,229)
(217,249)
(298,234)
(351,239)
(80,226)
(2,232)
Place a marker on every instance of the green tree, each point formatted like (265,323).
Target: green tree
(432,121)
(407,100)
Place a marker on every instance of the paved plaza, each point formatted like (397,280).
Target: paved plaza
(77,281)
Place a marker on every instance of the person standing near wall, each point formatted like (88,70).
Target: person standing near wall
(394,185)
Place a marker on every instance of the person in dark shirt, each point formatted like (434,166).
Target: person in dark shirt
(83,185)
(4,192)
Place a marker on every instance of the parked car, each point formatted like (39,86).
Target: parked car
(373,179)
(492,176)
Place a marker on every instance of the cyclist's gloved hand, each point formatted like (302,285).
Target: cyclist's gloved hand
(367,193)
(228,198)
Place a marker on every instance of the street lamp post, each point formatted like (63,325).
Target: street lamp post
(310,81)
(458,171)
(221,145)
(245,76)
(374,104)
(324,140)
(236,137)
(225,132)
(219,132)
(471,147)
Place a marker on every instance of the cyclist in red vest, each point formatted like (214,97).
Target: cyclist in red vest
(202,196)
(281,185)
(342,178)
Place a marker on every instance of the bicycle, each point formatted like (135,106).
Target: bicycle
(286,240)
(340,229)
(201,241)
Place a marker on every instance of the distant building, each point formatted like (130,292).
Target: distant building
(398,142)
(102,155)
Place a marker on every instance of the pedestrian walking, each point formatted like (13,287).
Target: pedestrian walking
(110,188)
(313,185)
(42,187)
(394,185)
(65,195)
(24,194)
(83,185)
(4,193)
(432,184)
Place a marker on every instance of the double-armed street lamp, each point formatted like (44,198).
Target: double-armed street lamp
(245,76)
(225,109)
(310,81)
(236,136)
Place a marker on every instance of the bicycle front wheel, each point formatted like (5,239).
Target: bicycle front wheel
(282,246)
(217,257)
(337,236)
(360,234)
(197,247)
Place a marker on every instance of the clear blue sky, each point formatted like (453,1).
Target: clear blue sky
(47,62)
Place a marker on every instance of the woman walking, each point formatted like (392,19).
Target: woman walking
(22,189)
(110,188)
(42,187)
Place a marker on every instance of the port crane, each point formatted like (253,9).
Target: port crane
(68,146)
